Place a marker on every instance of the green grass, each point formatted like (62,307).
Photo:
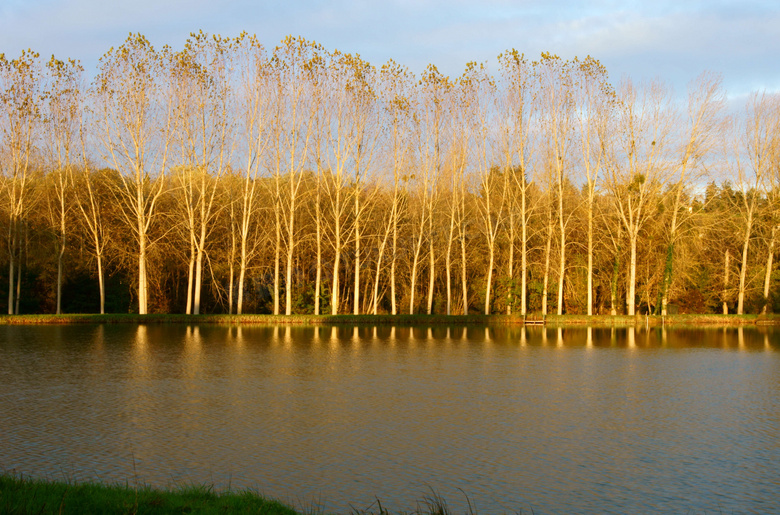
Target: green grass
(397,320)
(22,495)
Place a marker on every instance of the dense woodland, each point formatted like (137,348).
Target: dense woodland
(229,178)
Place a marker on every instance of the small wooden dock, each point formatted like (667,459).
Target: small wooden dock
(534,320)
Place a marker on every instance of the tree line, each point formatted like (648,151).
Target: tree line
(224,177)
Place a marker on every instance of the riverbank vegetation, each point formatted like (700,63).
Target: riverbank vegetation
(399,320)
(23,495)
(230,178)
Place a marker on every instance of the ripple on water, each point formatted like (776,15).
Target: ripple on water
(684,421)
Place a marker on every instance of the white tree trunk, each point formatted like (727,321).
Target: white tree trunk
(743,267)
(631,293)
(463,283)
(101,284)
(356,307)
(290,249)
(546,280)
(393,307)
(590,253)
(432,269)
(198,281)
(768,276)
(491,259)
(190,277)
(726,282)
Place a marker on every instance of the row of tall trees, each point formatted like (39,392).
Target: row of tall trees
(224,177)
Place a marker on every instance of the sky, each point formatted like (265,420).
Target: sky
(673,41)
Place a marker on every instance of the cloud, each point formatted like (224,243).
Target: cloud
(674,40)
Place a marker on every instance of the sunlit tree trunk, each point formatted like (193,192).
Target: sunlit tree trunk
(726,282)
(594,99)
(768,274)
(134,97)
(21,98)
(759,146)
(636,171)
(705,100)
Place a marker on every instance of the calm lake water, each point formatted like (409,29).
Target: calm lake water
(554,421)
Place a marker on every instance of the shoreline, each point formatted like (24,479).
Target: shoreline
(401,320)
(26,494)
(29,494)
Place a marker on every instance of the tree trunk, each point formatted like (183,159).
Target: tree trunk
(464,285)
(726,283)
(631,293)
(432,274)
(510,266)
(356,307)
(11,254)
(230,287)
(546,280)
(18,281)
(743,267)
(59,278)
(142,290)
(334,303)
(562,228)
(190,277)
(491,259)
(614,282)
(393,308)
(413,278)
(199,261)
(198,281)
(448,261)
(590,251)
(768,276)
(101,284)
(277,256)
(290,249)
(561,271)
(242,275)
(375,299)
(318,280)
(666,282)
(524,255)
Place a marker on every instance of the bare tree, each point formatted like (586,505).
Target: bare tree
(253,106)
(21,98)
(294,67)
(635,165)
(593,104)
(705,101)
(62,116)
(519,107)
(363,112)
(753,159)
(203,109)
(399,92)
(133,100)
(343,139)
(493,180)
(458,160)
(556,117)
(433,89)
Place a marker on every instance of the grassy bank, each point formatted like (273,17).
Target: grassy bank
(397,320)
(24,495)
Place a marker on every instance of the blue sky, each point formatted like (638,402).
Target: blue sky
(670,40)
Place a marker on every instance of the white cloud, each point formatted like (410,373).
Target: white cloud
(674,40)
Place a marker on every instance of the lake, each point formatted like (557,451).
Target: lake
(550,420)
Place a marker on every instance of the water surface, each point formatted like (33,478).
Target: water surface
(554,421)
